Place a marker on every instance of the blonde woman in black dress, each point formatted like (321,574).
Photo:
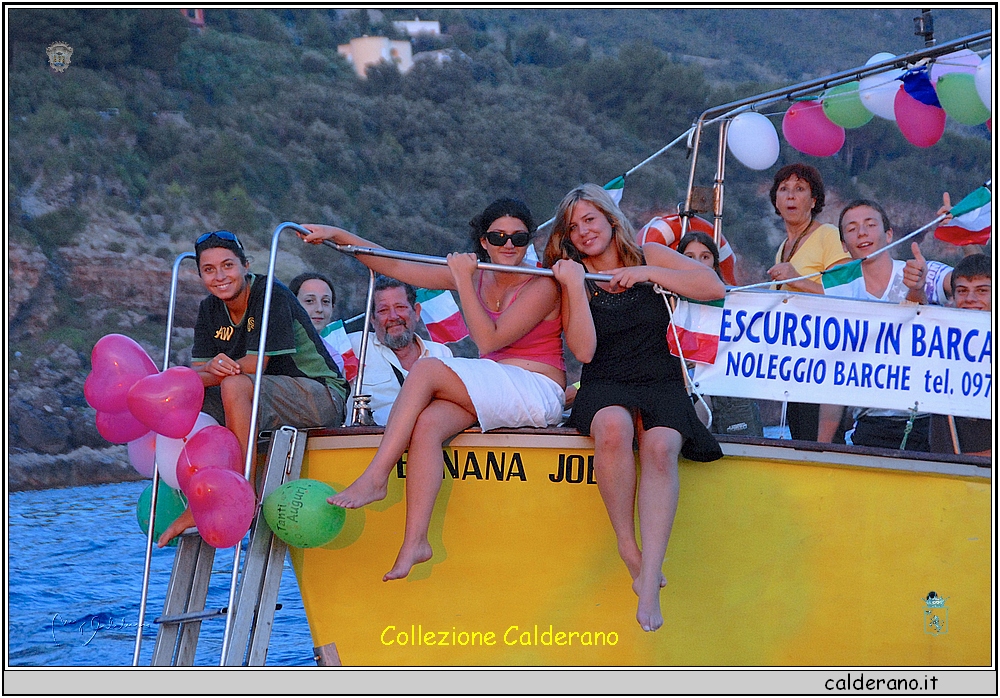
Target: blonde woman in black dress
(631,387)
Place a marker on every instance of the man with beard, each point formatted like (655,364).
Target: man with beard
(395,347)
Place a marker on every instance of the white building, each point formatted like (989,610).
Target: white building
(417,26)
(370,50)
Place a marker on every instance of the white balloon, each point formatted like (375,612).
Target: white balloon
(878,92)
(964,61)
(753,140)
(984,82)
(169,450)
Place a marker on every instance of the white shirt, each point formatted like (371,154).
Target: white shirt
(380,380)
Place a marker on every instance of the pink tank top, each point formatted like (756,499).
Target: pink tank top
(543,343)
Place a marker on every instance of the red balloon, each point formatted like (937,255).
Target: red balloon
(212,447)
(223,504)
(921,124)
(117,363)
(120,427)
(808,130)
(168,402)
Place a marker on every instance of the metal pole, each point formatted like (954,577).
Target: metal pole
(696,145)
(156,469)
(720,181)
(441,261)
(252,437)
(361,410)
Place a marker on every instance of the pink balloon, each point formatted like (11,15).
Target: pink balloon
(921,124)
(168,450)
(168,402)
(808,130)
(212,447)
(223,504)
(117,363)
(120,427)
(142,453)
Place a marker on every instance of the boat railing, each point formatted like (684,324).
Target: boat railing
(723,114)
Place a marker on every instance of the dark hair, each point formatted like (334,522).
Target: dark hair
(707,241)
(479,225)
(384,282)
(971,267)
(803,171)
(858,203)
(214,240)
(297,282)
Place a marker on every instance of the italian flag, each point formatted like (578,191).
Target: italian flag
(845,280)
(441,315)
(615,188)
(698,325)
(339,344)
(972,222)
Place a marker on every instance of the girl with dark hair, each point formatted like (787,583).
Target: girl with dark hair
(631,387)
(798,195)
(315,293)
(519,380)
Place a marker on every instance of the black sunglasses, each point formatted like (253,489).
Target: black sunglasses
(500,239)
(222,235)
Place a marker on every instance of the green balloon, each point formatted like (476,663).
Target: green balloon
(960,99)
(299,514)
(169,505)
(842,105)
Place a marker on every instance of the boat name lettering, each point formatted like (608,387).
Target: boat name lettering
(497,466)
(513,636)
(571,469)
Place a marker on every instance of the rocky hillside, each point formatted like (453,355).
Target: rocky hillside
(156,133)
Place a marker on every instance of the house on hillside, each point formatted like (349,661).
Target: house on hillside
(417,26)
(370,50)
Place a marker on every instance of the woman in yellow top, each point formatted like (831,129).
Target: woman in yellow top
(798,196)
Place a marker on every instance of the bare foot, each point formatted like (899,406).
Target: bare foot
(362,491)
(180,524)
(407,558)
(648,613)
(633,561)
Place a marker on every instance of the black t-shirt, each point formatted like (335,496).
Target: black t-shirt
(294,347)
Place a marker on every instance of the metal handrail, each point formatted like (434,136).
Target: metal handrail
(441,261)
(726,112)
(156,468)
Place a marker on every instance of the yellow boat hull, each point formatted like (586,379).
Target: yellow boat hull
(773,561)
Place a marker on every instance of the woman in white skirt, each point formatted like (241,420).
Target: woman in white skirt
(519,379)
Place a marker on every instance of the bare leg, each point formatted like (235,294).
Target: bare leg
(659,488)
(237,400)
(424,467)
(614,469)
(429,380)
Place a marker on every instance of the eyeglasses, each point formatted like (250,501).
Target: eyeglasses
(222,235)
(500,239)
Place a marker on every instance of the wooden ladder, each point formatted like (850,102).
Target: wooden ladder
(257,592)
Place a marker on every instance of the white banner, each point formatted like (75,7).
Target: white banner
(820,349)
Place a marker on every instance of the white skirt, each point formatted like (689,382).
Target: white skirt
(508,396)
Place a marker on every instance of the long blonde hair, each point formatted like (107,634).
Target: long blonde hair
(560,246)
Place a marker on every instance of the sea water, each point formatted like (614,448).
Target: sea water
(75,564)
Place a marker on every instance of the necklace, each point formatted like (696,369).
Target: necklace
(795,245)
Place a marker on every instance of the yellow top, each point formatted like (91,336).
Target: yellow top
(819,252)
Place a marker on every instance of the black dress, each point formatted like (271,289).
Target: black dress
(633,367)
